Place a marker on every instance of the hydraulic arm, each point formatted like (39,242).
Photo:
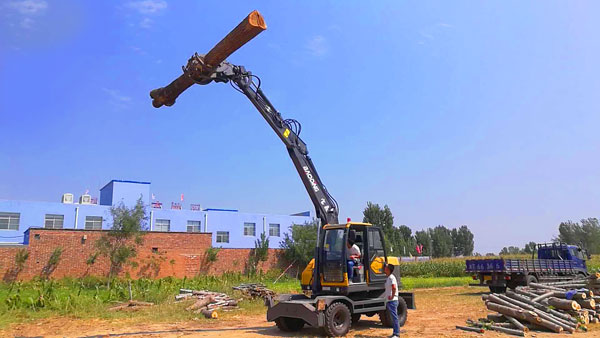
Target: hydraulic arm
(288,130)
(204,69)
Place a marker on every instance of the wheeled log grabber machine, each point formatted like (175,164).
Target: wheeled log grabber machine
(330,301)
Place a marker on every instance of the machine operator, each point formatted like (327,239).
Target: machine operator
(352,257)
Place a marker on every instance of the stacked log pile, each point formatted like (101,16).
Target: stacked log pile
(255,290)
(207,302)
(566,306)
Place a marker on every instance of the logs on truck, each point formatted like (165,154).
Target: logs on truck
(560,307)
(207,303)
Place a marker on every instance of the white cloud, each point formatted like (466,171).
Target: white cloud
(29,7)
(117,99)
(317,46)
(146,23)
(146,7)
(27,23)
(26,10)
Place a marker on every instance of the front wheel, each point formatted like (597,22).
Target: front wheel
(337,320)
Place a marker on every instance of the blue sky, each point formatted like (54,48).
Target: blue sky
(476,113)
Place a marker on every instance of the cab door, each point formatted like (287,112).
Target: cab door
(377,256)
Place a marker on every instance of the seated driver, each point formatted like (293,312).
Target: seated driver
(352,257)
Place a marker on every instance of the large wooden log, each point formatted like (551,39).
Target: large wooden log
(587,303)
(200,303)
(210,314)
(512,312)
(569,327)
(496,317)
(543,286)
(250,27)
(517,324)
(563,295)
(551,326)
(563,304)
(513,332)
(496,299)
(545,295)
(470,329)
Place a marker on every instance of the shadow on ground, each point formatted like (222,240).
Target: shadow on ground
(269,331)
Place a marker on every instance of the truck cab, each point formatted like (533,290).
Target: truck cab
(560,251)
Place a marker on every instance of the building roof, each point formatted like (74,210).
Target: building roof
(124,181)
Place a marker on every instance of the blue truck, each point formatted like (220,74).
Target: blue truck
(555,262)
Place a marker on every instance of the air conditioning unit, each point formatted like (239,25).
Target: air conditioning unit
(85,199)
(67,198)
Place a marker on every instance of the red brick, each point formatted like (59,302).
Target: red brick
(178,254)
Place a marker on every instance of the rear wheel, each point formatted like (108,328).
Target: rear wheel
(530,279)
(337,319)
(289,324)
(402,311)
(497,289)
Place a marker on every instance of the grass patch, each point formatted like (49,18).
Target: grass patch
(411,283)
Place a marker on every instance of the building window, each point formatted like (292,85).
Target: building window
(222,236)
(9,220)
(193,226)
(54,221)
(274,230)
(93,222)
(162,225)
(249,229)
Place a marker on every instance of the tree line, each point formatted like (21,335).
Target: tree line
(300,242)
(439,241)
(585,233)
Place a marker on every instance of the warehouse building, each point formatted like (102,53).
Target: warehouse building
(230,228)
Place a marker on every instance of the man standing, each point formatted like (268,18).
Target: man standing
(391,291)
(352,254)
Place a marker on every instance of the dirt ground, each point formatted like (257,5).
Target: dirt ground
(438,312)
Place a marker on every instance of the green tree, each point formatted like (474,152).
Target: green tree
(530,248)
(120,244)
(462,239)
(586,233)
(300,242)
(260,253)
(423,237)
(442,241)
(398,241)
(511,250)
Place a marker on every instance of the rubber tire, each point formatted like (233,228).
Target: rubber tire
(288,324)
(355,318)
(497,289)
(386,318)
(333,310)
(530,279)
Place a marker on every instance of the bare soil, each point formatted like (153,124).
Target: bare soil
(438,312)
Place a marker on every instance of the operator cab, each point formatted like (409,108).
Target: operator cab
(342,273)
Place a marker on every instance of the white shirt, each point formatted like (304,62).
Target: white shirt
(354,250)
(391,280)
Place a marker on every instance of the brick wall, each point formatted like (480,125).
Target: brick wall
(161,254)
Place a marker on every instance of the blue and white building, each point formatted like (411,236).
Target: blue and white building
(229,228)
